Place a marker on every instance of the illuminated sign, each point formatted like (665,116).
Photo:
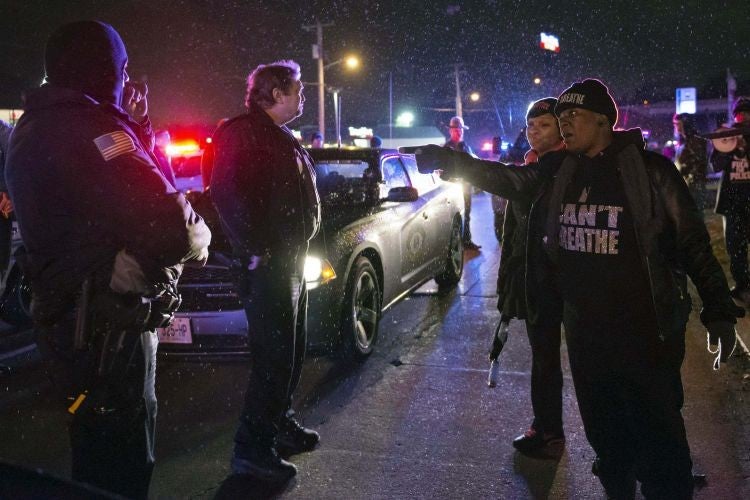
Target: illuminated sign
(363,132)
(685,98)
(549,42)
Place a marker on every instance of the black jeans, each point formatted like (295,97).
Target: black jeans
(737,235)
(275,302)
(112,431)
(546,378)
(630,395)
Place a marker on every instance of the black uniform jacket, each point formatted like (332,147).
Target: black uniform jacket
(672,239)
(263,187)
(730,197)
(84,187)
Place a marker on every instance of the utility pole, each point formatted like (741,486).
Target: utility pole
(318,54)
(459,106)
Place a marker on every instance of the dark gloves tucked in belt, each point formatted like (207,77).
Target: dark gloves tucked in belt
(722,338)
(431,157)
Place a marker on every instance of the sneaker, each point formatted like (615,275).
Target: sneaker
(546,445)
(263,463)
(470,245)
(293,438)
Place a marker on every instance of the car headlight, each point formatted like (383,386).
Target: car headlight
(318,271)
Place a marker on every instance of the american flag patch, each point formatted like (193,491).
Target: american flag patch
(114,144)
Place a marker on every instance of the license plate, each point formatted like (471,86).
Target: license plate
(179,332)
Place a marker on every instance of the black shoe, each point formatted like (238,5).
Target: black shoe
(538,444)
(263,463)
(470,245)
(293,438)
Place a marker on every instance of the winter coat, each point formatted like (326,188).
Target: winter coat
(263,187)
(730,196)
(84,187)
(672,239)
(692,160)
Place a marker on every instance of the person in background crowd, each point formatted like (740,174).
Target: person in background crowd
(376,141)
(545,436)
(106,238)
(733,201)
(316,140)
(691,157)
(456,142)
(6,206)
(620,234)
(263,187)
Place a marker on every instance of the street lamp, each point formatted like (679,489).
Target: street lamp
(474,96)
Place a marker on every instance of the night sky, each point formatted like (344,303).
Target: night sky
(196,55)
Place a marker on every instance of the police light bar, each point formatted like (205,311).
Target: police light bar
(549,42)
(181,148)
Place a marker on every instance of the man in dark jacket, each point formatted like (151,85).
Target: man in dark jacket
(545,436)
(733,201)
(106,238)
(263,187)
(619,235)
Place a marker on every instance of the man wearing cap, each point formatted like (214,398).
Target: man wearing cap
(620,234)
(545,436)
(456,142)
(106,238)
(733,201)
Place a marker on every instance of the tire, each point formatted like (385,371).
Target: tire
(360,311)
(15,306)
(454,261)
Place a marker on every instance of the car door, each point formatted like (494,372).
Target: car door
(435,211)
(408,229)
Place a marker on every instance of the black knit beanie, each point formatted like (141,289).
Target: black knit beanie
(88,56)
(541,107)
(589,94)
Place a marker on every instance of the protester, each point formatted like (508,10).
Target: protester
(316,140)
(545,436)
(620,234)
(6,206)
(691,157)
(106,238)
(456,142)
(733,201)
(263,187)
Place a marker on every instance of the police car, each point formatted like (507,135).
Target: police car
(386,230)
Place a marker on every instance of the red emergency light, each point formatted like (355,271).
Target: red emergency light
(487,146)
(182,148)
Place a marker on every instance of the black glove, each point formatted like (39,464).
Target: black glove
(722,338)
(431,157)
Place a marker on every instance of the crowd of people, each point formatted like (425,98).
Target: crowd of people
(600,237)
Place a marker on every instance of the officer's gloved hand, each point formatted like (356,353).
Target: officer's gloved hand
(431,157)
(722,338)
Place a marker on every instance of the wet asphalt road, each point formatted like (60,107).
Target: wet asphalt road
(416,420)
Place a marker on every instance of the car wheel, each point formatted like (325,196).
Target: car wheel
(454,261)
(15,307)
(361,310)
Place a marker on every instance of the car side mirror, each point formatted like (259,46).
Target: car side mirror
(405,193)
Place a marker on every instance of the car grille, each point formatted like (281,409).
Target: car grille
(208,288)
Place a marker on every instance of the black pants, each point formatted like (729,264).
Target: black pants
(468,190)
(112,431)
(630,395)
(546,378)
(275,302)
(737,235)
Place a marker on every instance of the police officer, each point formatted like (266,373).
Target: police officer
(456,129)
(106,238)
(263,187)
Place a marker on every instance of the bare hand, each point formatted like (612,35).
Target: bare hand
(6,206)
(134,100)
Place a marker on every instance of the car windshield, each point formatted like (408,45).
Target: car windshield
(343,181)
